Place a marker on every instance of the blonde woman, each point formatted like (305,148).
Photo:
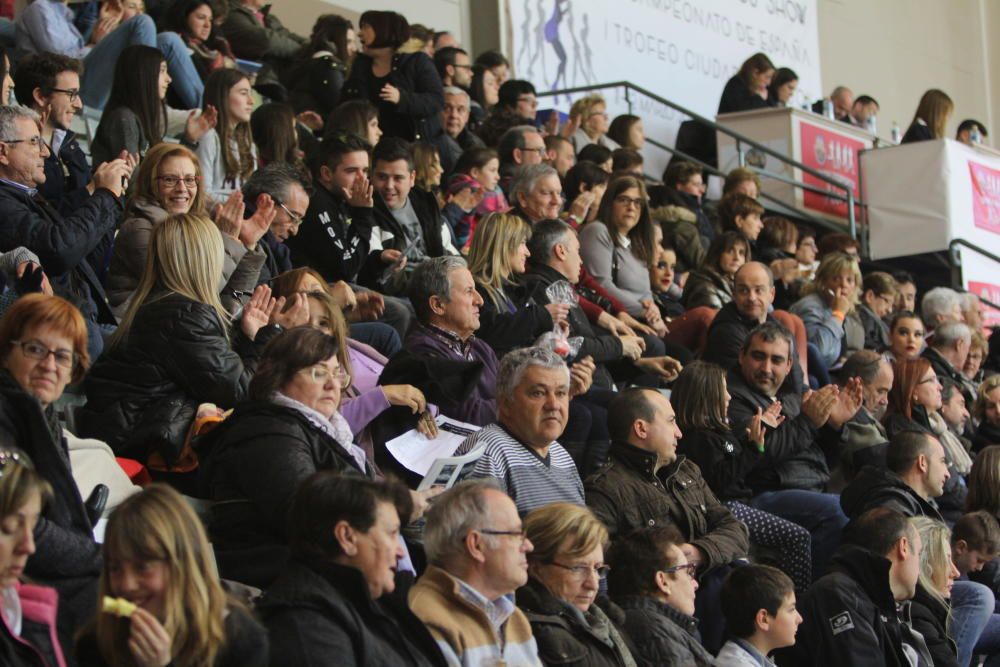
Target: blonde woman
(930,610)
(931,119)
(174,349)
(590,113)
(497,255)
(157,556)
(828,308)
(986,413)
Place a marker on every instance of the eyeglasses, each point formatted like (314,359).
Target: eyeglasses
(584,571)
(35,350)
(520,534)
(73,94)
(932,378)
(541,151)
(630,201)
(190,182)
(35,141)
(321,375)
(689,568)
(295,218)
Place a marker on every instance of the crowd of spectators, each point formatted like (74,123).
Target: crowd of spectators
(701,434)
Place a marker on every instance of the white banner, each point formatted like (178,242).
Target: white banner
(682,50)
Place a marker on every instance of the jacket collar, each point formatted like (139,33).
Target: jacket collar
(642,461)
(870,571)
(545,272)
(645,603)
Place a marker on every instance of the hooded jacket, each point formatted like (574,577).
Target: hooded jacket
(878,487)
(417,114)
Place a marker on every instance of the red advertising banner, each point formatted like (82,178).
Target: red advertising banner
(991,292)
(834,154)
(985,196)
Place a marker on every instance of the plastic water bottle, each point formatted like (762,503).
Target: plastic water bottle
(897,134)
(828,108)
(872,125)
(975,136)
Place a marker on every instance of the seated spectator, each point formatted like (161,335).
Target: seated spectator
(971,132)
(777,247)
(62,244)
(427,165)
(666,292)
(738,212)
(759,604)
(142,401)
(987,414)
(948,351)
(341,599)
(599,155)
(520,450)
(227,153)
(67,557)
(520,146)
(742,180)
(496,63)
(477,557)
(477,170)
(626,130)
(930,610)
(257,34)
(627,161)
(725,459)
(484,92)
(168,184)
(975,541)
(914,475)
(954,411)
(653,581)
(565,570)
(357,117)
(711,285)
(973,370)
(864,439)
(315,79)
(516,105)
(48,26)
(972,310)
(878,296)
(195,22)
(906,336)
(584,184)
(863,112)
(747,89)
(906,294)
(851,615)
(590,116)
(279,193)
(457,136)
(157,556)
(838,242)
(6,80)
(842,99)
(931,118)
(453,66)
(677,207)
(272,126)
(559,153)
(404,86)
(940,305)
(806,252)
(828,308)
(535,192)
(782,88)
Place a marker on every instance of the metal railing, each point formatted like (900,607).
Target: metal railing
(955,261)
(741,141)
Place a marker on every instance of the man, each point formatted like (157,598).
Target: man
(684,187)
(967,130)
(560,155)
(280,183)
(940,305)
(863,438)
(947,352)
(520,450)
(914,475)
(456,136)
(519,146)
(843,99)
(972,310)
(954,410)
(61,243)
(791,485)
(878,296)
(477,557)
(444,39)
(906,291)
(852,616)
(453,66)
(863,110)
(536,193)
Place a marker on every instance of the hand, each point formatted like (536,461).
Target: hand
(104,26)
(558,311)
(570,127)
(838,300)
(581,376)
(613,325)
(581,205)
(405,395)
(361,194)
(817,405)
(311,119)
(229,216)
(343,295)
(252,229)
(31,278)
(667,368)
(635,324)
(467,199)
(421,500)
(427,425)
(368,306)
(389,93)
(394,257)
(257,312)
(199,123)
(652,316)
(632,346)
(296,315)
(755,432)
(772,415)
(113,176)
(848,403)
(693,554)
(147,640)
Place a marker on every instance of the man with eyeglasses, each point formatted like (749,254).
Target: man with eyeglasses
(61,243)
(282,184)
(519,146)
(477,557)
(454,67)
(456,135)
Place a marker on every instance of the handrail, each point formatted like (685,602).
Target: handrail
(956,264)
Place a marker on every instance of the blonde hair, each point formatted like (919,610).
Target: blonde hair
(830,267)
(935,108)
(146,187)
(585,105)
(18,481)
(935,555)
(563,528)
(157,524)
(985,387)
(185,257)
(497,238)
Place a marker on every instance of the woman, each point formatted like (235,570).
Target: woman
(135,117)
(987,414)
(157,556)
(618,248)
(27,617)
(341,599)
(584,186)
(484,92)
(978,349)
(906,336)
(590,114)
(169,183)
(359,117)
(496,63)
(427,164)
(626,130)
(227,153)
(6,80)
(666,293)
(44,343)
(194,21)
(565,572)
(931,119)
(828,306)
(747,89)
(701,400)
(930,610)
(406,88)
(712,284)
(316,79)
(782,88)
(173,349)
(273,128)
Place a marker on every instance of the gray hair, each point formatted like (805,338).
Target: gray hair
(455,90)
(949,333)
(769,332)
(515,363)
(940,301)
(432,278)
(452,515)
(526,178)
(545,235)
(275,179)
(864,364)
(8,120)
(969,301)
(511,139)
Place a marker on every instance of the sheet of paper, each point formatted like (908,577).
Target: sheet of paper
(415,452)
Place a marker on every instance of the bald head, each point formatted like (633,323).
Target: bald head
(753,290)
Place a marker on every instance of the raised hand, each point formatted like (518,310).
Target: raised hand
(257,312)
(581,376)
(772,415)
(148,641)
(755,431)
(558,311)
(581,205)
(199,123)
(817,405)
(848,402)
(254,227)
(361,194)
(369,306)
(229,216)
(295,316)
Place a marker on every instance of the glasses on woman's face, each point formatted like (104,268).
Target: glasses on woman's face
(629,201)
(581,572)
(929,379)
(322,375)
(170,182)
(33,349)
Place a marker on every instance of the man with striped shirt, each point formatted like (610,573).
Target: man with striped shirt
(520,449)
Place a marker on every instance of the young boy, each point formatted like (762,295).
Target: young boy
(758,602)
(975,541)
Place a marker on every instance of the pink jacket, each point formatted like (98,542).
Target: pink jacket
(39,605)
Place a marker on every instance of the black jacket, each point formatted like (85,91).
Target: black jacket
(251,466)
(143,392)
(876,330)
(562,636)
(877,487)
(917,132)
(930,619)
(315,83)
(66,556)
(516,323)
(987,434)
(663,636)
(16,653)
(724,461)
(943,368)
(322,614)
(736,96)
(426,207)
(727,334)
(417,115)
(792,457)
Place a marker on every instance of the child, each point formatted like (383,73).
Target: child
(477,169)
(975,542)
(758,602)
